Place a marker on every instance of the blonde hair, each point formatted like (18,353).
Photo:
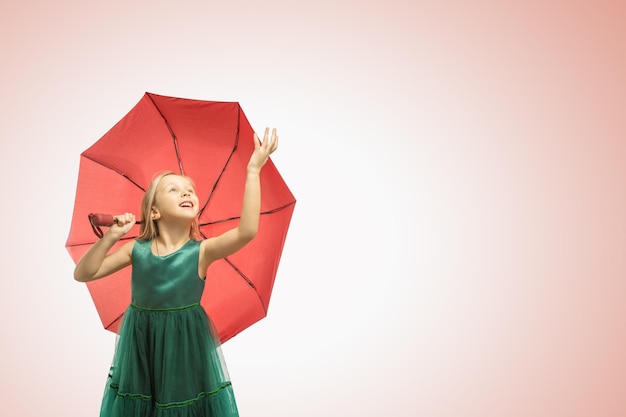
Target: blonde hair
(149,228)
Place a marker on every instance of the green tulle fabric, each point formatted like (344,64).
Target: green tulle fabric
(168,362)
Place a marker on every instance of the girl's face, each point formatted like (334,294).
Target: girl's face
(175,197)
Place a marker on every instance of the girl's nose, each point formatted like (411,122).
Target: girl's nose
(186,193)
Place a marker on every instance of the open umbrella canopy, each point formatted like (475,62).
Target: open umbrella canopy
(211,142)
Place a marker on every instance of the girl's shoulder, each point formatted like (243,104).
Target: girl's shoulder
(138,242)
(128,247)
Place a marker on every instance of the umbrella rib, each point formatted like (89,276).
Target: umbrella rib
(115,320)
(113,169)
(174,138)
(217,181)
(250,283)
(277,209)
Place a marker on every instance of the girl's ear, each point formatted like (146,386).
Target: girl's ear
(154,214)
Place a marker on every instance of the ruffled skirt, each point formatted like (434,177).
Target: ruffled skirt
(168,363)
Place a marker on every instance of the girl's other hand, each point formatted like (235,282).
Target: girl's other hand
(262,150)
(123,224)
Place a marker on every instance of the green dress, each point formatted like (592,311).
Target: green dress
(167,361)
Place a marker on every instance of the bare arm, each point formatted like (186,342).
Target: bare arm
(231,241)
(96,262)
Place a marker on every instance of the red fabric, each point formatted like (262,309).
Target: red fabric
(194,138)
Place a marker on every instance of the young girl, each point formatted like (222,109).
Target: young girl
(167,360)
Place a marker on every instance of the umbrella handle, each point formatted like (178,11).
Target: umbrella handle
(99,219)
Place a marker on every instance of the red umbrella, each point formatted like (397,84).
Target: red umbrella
(211,142)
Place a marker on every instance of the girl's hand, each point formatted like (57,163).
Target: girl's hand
(123,224)
(262,150)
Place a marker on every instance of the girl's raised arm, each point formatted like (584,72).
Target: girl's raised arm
(95,263)
(231,241)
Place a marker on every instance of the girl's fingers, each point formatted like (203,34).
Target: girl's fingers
(124,219)
(266,134)
(274,142)
(269,143)
(257,141)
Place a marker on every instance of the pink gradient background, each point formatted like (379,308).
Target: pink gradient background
(458,247)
